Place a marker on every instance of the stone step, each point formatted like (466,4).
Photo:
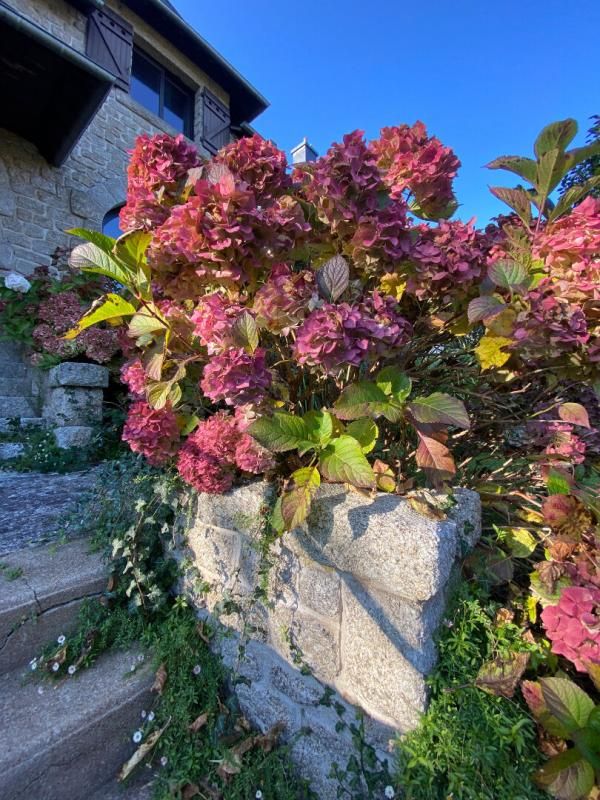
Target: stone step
(17,406)
(41,591)
(140,789)
(6,423)
(15,386)
(10,353)
(71,739)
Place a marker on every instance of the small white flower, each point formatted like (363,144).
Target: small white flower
(55,666)
(197,669)
(258,794)
(17,282)
(143,714)
(164,761)
(389,791)
(33,664)
(151,716)
(40,690)
(72,669)
(140,658)
(61,640)
(137,737)
(132,668)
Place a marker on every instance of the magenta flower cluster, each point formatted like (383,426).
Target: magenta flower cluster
(282,301)
(259,164)
(213,319)
(573,625)
(152,432)
(236,377)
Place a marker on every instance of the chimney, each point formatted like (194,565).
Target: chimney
(303,152)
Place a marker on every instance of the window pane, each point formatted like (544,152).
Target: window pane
(145,83)
(110,223)
(177,107)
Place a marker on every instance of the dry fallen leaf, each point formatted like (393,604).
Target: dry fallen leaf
(426,504)
(190,790)
(501,676)
(198,723)
(160,679)
(142,751)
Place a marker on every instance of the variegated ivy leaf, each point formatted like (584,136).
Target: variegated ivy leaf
(333,278)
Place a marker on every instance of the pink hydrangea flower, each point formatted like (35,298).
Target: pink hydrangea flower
(251,456)
(411,160)
(213,320)
(153,432)
(573,625)
(157,169)
(204,472)
(258,163)
(332,336)
(386,328)
(134,377)
(237,377)
(282,301)
(382,238)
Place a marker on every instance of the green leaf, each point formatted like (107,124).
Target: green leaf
(343,461)
(107,307)
(296,502)
(555,136)
(91,258)
(158,393)
(551,169)
(333,278)
(574,413)
(101,240)
(439,408)
(189,423)
(521,166)
(566,776)
(520,542)
(147,320)
(365,431)
(579,154)
(484,308)
(567,702)
(392,381)
(279,433)
(245,332)
(131,248)
(490,351)
(361,399)
(572,196)
(507,273)
(307,476)
(517,199)
(556,483)
(319,427)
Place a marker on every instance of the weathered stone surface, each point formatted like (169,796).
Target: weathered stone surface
(73,373)
(318,645)
(10,450)
(320,590)
(384,541)
(467,516)
(218,550)
(73,436)
(73,406)
(239,510)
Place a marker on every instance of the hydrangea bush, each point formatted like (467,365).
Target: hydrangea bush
(304,301)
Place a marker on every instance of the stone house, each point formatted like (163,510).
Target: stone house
(79,80)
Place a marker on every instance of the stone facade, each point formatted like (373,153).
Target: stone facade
(73,402)
(353,600)
(38,202)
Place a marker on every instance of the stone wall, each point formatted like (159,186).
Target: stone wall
(39,202)
(353,599)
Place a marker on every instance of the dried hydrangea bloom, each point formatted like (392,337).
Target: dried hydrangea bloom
(386,328)
(153,432)
(573,625)
(155,175)
(213,319)
(331,337)
(282,301)
(133,375)
(236,377)
(410,160)
(343,184)
(257,162)
(382,238)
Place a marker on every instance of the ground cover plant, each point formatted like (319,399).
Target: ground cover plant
(334,324)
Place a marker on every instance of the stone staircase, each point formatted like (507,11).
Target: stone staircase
(62,740)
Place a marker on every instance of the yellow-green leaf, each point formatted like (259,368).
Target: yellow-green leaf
(520,542)
(108,307)
(490,351)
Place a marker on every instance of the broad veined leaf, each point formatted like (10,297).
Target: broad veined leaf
(154,363)
(574,413)
(567,702)
(573,195)
(101,240)
(567,776)
(521,166)
(555,136)
(333,278)
(343,461)
(361,399)
(558,483)
(296,502)
(439,409)
(245,332)
(490,351)
(109,306)
(579,154)
(434,457)
(507,273)
(484,308)
(319,426)
(307,476)
(146,320)
(501,675)
(91,258)
(280,432)
(517,199)
(365,431)
(551,169)
(131,247)
(520,542)
(158,393)
(393,382)
(384,475)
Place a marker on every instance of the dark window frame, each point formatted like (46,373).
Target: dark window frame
(166,75)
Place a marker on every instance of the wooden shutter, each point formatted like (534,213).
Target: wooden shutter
(216,123)
(109,43)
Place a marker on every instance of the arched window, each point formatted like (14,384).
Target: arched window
(110,223)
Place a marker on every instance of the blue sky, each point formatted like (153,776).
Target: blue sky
(483,75)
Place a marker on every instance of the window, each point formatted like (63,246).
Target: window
(159,91)
(110,223)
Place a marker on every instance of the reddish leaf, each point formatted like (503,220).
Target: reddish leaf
(501,676)
(198,723)
(574,413)
(160,679)
(434,457)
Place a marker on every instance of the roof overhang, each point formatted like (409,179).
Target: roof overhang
(246,103)
(49,92)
